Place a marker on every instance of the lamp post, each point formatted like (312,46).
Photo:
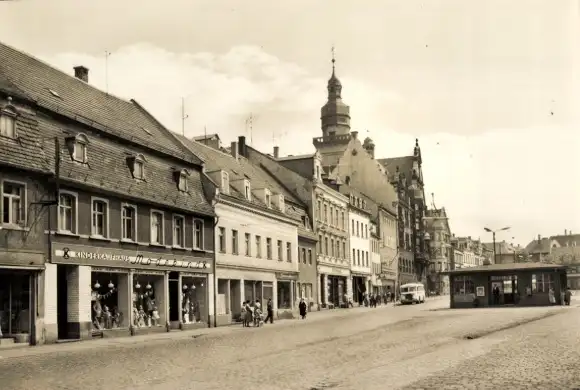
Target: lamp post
(493,233)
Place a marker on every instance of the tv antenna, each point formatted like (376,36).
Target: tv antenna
(250,125)
(184,116)
(107,54)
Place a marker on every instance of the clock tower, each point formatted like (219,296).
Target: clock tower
(335,115)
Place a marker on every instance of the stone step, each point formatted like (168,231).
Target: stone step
(6,341)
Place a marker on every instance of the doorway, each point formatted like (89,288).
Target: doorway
(174,292)
(15,297)
(62,272)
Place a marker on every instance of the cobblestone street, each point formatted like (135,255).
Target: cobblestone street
(409,347)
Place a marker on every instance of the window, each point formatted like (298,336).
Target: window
(67,207)
(182,185)
(100,217)
(157,227)
(178,231)
(352,229)
(248,244)
(259,247)
(269,248)
(310,256)
(8,122)
(303,255)
(129,222)
(338,249)
(366,258)
(225,185)
(332,247)
(344,249)
(13,201)
(289,252)
(222,239)
(198,234)
(541,283)
(358,257)
(319,210)
(354,256)
(268,199)
(357,229)
(80,148)
(319,243)
(331,216)
(235,247)
(463,285)
(336,218)
(280,251)
(326,251)
(325,213)
(247,190)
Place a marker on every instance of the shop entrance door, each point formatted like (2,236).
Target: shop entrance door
(62,272)
(174,292)
(14,303)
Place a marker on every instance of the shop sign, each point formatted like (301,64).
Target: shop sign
(286,275)
(139,259)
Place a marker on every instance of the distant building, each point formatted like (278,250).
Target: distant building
(505,252)
(468,253)
(441,250)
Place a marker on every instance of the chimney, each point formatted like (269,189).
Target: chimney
(234,150)
(354,134)
(539,238)
(242,145)
(276,151)
(82,73)
(565,232)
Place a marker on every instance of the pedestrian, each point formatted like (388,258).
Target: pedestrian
(249,313)
(243,314)
(551,296)
(270,309)
(567,296)
(302,308)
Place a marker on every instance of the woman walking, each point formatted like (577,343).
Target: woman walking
(302,308)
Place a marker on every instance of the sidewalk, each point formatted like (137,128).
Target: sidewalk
(312,317)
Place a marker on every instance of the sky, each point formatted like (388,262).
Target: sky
(490,88)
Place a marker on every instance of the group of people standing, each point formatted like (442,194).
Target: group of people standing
(252,312)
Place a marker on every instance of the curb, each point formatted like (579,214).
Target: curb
(487,332)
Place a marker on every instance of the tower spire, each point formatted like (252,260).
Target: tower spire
(333,60)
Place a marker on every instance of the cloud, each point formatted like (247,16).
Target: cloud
(514,176)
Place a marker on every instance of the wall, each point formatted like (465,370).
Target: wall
(308,272)
(359,241)
(233,218)
(331,229)
(388,246)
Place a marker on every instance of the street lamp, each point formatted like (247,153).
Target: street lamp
(493,233)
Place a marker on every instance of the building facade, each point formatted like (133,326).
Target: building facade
(360,247)
(441,251)
(124,218)
(468,252)
(258,254)
(376,282)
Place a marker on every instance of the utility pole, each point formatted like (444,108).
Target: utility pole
(184,116)
(493,234)
(249,126)
(107,54)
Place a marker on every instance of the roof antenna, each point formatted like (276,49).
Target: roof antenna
(107,54)
(184,116)
(250,125)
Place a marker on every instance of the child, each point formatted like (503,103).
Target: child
(155,316)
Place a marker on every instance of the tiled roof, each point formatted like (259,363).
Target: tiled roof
(107,169)
(542,246)
(238,170)
(507,267)
(24,76)
(404,163)
(567,240)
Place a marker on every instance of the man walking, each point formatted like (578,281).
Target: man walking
(270,309)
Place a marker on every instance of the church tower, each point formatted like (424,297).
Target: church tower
(335,115)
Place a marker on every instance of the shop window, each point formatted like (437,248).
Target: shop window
(280,251)
(13,203)
(67,212)
(157,227)
(100,217)
(463,285)
(15,313)
(222,239)
(179,231)
(197,234)
(148,296)
(194,300)
(541,283)
(284,294)
(129,222)
(107,310)
(269,248)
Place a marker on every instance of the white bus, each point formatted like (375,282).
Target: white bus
(412,293)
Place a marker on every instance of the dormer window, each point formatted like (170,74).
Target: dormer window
(137,166)
(8,121)
(280,202)
(225,184)
(247,190)
(77,146)
(182,184)
(180,178)
(268,198)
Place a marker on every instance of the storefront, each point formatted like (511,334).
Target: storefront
(19,274)
(360,287)
(236,286)
(286,285)
(334,282)
(106,292)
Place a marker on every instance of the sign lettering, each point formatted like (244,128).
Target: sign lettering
(139,259)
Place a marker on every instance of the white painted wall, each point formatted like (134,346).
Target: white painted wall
(232,218)
(359,241)
(50,300)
